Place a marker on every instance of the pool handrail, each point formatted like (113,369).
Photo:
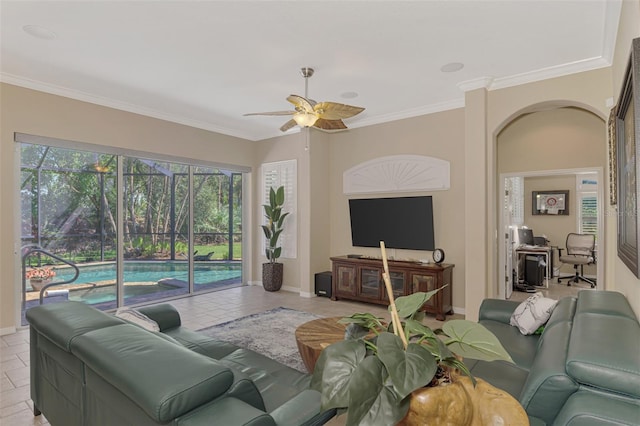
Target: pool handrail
(28,251)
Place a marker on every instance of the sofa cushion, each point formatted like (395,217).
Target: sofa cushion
(548,385)
(136,362)
(63,322)
(603,352)
(201,343)
(276,382)
(501,374)
(604,302)
(521,348)
(591,409)
(226,411)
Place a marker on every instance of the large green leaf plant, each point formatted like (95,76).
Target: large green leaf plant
(275,223)
(373,371)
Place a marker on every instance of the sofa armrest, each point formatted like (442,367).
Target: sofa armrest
(135,362)
(303,409)
(165,315)
(228,412)
(497,310)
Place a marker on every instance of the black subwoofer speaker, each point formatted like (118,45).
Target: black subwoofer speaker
(323,284)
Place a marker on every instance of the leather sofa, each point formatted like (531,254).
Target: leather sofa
(92,368)
(584,369)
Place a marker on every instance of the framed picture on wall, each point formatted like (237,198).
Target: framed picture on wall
(551,203)
(613,157)
(627,135)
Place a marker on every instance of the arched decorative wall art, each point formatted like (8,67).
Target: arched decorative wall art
(405,173)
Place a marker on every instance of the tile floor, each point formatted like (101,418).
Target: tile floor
(196,312)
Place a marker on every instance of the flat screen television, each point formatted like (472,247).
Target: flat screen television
(402,222)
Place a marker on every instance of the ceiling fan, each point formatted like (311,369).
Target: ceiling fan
(309,113)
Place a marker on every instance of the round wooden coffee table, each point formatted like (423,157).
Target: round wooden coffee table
(313,336)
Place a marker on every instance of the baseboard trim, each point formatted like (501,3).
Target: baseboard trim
(457,310)
(7,330)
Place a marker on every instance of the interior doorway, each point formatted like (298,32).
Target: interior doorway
(517,190)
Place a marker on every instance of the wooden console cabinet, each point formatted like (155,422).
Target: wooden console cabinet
(361,279)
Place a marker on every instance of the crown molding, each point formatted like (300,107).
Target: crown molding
(409,113)
(477,83)
(119,105)
(550,72)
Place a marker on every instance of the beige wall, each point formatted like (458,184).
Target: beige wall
(37,113)
(439,135)
(623,279)
(563,138)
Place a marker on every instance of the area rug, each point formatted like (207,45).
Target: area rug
(271,333)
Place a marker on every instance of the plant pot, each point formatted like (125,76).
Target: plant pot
(272,276)
(37,284)
(461,403)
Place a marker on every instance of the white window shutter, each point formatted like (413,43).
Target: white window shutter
(514,200)
(587,198)
(274,175)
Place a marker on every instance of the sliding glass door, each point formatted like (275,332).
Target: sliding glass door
(170,246)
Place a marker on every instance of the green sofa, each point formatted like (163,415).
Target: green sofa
(584,369)
(92,368)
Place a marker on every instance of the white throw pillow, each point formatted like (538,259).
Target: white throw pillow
(137,318)
(532,313)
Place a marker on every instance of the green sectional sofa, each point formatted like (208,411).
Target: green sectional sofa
(92,368)
(584,369)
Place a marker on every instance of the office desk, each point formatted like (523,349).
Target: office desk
(546,251)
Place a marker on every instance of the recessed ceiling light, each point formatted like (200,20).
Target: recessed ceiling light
(452,67)
(349,95)
(39,32)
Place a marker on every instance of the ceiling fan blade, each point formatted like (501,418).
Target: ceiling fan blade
(288,125)
(302,104)
(325,124)
(336,111)
(271,113)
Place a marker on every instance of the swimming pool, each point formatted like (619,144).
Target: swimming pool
(107,293)
(152,272)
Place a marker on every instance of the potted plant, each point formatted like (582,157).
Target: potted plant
(272,270)
(378,370)
(39,277)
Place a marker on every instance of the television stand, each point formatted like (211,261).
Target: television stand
(361,279)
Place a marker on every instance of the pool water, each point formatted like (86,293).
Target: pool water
(101,294)
(153,272)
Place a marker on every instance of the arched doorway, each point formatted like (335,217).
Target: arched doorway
(553,142)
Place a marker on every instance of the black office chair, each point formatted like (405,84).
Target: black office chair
(580,252)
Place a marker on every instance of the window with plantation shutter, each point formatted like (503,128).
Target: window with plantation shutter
(587,186)
(514,200)
(588,214)
(274,175)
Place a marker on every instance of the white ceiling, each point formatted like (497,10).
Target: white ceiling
(206,63)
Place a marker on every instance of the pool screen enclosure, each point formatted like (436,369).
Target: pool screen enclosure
(171,212)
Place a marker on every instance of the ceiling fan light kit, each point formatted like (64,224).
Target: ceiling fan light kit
(305,119)
(309,113)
